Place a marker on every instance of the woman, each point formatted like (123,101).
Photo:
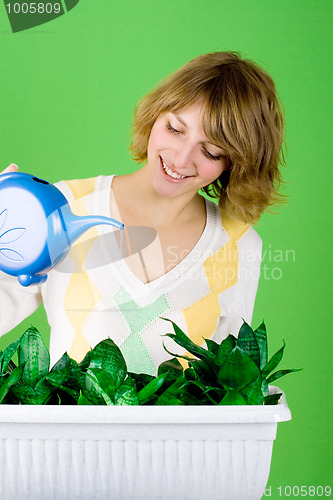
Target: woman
(216,126)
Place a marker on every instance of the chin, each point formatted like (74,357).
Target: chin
(164,191)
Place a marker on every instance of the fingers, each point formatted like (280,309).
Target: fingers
(11,168)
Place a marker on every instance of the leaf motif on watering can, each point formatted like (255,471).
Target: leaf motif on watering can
(11,235)
(11,254)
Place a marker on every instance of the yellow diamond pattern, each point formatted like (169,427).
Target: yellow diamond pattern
(221,270)
(81,295)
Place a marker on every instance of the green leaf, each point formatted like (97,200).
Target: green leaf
(149,391)
(272,399)
(281,373)
(190,374)
(252,393)
(214,399)
(83,400)
(238,370)
(215,394)
(26,395)
(35,355)
(172,392)
(106,382)
(189,399)
(203,371)
(58,380)
(64,362)
(273,362)
(67,376)
(182,356)
(264,388)
(261,336)
(58,377)
(224,350)
(203,396)
(172,366)
(233,397)
(99,383)
(12,380)
(44,390)
(127,394)
(85,362)
(10,366)
(7,354)
(248,343)
(107,356)
(212,346)
(183,340)
(141,379)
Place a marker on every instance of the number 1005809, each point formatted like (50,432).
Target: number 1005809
(304,491)
(33,8)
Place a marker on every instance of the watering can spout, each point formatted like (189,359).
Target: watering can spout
(76,225)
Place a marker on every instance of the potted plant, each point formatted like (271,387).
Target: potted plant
(94,430)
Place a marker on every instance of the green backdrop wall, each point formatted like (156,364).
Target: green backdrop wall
(68,89)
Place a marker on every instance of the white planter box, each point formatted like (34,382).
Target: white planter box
(137,452)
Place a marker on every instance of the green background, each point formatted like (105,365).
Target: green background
(68,89)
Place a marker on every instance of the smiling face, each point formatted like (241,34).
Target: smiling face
(180,157)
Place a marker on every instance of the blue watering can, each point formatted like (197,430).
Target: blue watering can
(37,227)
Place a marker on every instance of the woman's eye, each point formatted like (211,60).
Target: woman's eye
(172,129)
(210,156)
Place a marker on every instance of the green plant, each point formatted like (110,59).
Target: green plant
(236,371)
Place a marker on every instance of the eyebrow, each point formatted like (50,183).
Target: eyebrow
(180,120)
(185,125)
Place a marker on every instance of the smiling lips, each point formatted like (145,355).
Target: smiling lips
(171,173)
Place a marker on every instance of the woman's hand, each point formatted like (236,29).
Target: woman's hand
(12,168)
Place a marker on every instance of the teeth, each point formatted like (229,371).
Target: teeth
(172,174)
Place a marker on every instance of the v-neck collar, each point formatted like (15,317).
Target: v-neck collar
(191,262)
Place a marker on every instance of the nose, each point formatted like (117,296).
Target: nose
(185,156)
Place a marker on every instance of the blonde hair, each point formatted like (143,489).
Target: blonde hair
(242,115)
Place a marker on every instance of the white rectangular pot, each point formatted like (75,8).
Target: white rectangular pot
(137,452)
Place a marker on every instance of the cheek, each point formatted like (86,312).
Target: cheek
(160,137)
(212,170)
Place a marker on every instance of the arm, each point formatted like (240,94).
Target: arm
(16,302)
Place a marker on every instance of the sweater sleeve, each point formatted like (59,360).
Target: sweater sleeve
(16,302)
(241,308)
